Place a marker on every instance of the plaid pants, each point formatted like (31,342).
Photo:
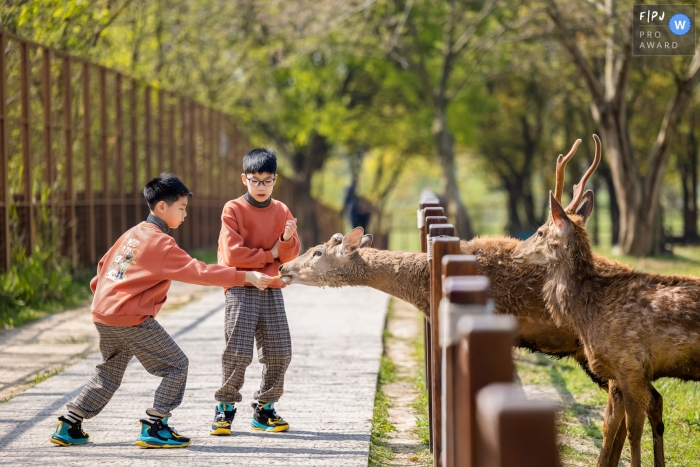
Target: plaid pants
(157,352)
(251,312)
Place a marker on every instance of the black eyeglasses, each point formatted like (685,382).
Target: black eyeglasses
(256,182)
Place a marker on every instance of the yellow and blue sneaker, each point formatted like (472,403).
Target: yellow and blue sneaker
(223,417)
(266,419)
(69,433)
(159,435)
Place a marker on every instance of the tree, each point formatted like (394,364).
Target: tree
(637,193)
(439,43)
(687,164)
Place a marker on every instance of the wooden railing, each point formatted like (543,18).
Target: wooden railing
(478,416)
(79,141)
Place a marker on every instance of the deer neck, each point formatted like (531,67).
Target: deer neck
(404,275)
(568,288)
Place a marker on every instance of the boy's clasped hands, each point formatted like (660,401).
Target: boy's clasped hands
(260,280)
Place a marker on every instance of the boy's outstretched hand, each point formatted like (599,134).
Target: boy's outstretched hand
(258,279)
(290,227)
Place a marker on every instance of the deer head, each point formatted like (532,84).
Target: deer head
(312,267)
(542,247)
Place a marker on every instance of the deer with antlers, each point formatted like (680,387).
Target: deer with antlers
(516,290)
(635,327)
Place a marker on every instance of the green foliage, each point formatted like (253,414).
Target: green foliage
(43,281)
(38,284)
(421,404)
(379,452)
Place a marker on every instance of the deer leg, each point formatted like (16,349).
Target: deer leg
(636,401)
(655,414)
(619,443)
(614,415)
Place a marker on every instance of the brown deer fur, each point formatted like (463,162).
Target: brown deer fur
(635,327)
(516,290)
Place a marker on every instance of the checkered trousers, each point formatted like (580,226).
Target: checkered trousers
(157,352)
(251,312)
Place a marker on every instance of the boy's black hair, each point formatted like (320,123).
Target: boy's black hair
(260,160)
(165,187)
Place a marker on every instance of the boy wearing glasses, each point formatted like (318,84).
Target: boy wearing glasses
(258,233)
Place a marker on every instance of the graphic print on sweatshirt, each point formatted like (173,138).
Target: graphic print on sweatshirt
(125,257)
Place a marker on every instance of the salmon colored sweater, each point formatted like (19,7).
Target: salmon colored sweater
(248,234)
(134,276)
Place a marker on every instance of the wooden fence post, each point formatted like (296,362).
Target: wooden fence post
(485,356)
(429,206)
(87,168)
(439,247)
(514,431)
(4,159)
(462,295)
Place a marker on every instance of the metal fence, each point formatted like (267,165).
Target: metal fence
(78,142)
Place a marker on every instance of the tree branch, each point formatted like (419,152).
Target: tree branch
(96,36)
(662,146)
(466,36)
(575,52)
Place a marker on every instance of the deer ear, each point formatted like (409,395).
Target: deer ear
(366,241)
(351,241)
(561,220)
(336,239)
(586,207)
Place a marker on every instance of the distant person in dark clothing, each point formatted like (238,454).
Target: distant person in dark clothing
(352,205)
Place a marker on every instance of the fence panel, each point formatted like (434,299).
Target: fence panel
(78,141)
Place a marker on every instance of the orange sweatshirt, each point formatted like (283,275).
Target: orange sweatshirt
(134,276)
(249,233)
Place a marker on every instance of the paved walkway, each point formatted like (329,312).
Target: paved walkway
(329,393)
(50,344)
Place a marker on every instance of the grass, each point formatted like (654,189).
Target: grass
(17,307)
(421,404)
(206,255)
(581,423)
(380,452)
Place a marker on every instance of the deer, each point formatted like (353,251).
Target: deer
(635,327)
(516,289)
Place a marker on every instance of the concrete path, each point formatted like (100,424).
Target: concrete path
(328,401)
(33,351)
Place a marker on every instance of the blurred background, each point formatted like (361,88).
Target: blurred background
(366,102)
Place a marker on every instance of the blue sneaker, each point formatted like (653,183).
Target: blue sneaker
(69,433)
(266,419)
(160,435)
(223,417)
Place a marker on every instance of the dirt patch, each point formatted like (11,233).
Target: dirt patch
(404,326)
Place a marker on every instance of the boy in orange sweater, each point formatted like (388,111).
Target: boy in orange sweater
(131,285)
(258,233)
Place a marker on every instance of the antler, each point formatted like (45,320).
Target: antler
(561,163)
(580,188)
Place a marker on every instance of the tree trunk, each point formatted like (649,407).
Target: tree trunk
(604,172)
(514,226)
(305,213)
(306,162)
(444,140)
(688,169)
(636,217)
(637,195)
